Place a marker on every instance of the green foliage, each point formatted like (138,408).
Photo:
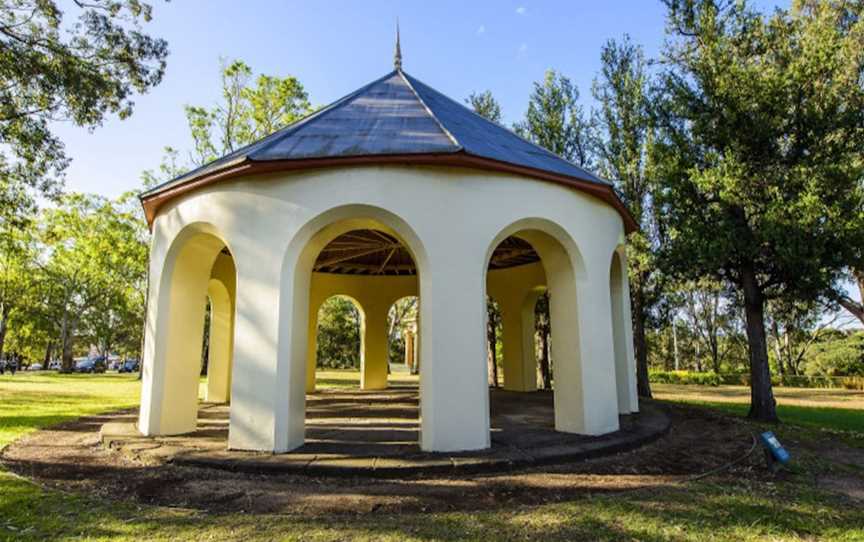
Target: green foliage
(759,152)
(685,377)
(843,355)
(761,121)
(77,63)
(556,121)
(339,323)
(485,105)
(246,113)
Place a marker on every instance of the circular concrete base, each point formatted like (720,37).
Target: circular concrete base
(375,433)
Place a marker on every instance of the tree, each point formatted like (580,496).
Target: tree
(77,64)
(712,318)
(246,113)
(543,329)
(624,155)
(761,122)
(339,334)
(17,266)
(855,308)
(95,258)
(485,105)
(556,121)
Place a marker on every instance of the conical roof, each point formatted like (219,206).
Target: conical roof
(396,118)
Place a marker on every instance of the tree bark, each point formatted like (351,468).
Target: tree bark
(65,343)
(640,343)
(545,374)
(762,404)
(4,326)
(492,339)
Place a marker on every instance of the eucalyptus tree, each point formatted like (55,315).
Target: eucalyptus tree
(556,121)
(624,154)
(247,111)
(762,124)
(94,259)
(77,64)
(485,105)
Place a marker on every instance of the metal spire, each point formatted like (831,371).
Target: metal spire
(397,57)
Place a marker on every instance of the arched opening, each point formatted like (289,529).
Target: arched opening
(339,342)
(221,290)
(524,264)
(403,340)
(370,259)
(197,270)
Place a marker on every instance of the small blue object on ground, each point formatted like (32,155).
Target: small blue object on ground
(774,450)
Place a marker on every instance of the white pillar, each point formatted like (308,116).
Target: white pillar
(373,358)
(221,343)
(174,335)
(259,388)
(454,391)
(599,398)
(625,364)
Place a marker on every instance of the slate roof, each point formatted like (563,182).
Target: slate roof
(394,115)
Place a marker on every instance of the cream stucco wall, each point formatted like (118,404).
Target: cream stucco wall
(450,220)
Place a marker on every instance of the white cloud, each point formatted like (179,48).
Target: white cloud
(482,29)
(523,49)
(521,10)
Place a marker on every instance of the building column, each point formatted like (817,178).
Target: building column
(410,334)
(373,356)
(622,330)
(454,389)
(266,397)
(586,399)
(312,348)
(520,365)
(221,343)
(175,332)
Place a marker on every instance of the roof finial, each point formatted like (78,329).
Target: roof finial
(397,57)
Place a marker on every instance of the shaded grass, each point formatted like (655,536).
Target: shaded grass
(795,406)
(734,510)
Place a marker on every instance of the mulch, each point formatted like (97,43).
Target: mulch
(70,457)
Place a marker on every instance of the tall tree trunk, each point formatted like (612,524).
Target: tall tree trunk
(492,339)
(49,349)
(4,326)
(545,373)
(65,343)
(775,331)
(762,404)
(640,343)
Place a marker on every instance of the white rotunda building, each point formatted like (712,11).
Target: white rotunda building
(394,190)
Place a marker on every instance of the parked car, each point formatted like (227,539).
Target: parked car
(129,366)
(55,365)
(35,367)
(91,365)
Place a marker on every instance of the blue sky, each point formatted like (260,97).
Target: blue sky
(334,47)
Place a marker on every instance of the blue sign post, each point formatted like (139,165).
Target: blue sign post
(775,454)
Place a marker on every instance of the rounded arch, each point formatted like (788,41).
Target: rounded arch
(565,272)
(622,340)
(294,313)
(174,330)
(554,233)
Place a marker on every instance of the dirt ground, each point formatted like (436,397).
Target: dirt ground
(69,457)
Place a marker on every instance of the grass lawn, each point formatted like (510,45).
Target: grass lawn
(732,510)
(841,410)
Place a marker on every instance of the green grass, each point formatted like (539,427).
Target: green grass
(29,401)
(814,408)
(837,419)
(741,510)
